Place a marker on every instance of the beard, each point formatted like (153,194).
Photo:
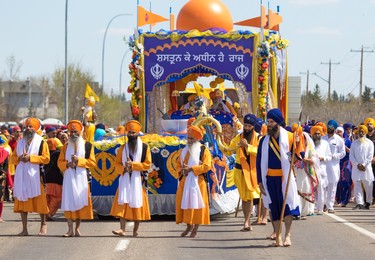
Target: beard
(73,138)
(330,131)
(194,148)
(370,128)
(132,143)
(273,130)
(28,135)
(317,140)
(247,135)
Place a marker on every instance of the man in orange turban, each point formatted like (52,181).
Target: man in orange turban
(29,154)
(76,156)
(361,155)
(190,105)
(192,197)
(132,161)
(120,130)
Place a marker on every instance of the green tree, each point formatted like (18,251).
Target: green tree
(335,96)
(366,95)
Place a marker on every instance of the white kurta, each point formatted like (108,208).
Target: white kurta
(75,186)
(323,152)
(362,153)
(337,147)
(27,176)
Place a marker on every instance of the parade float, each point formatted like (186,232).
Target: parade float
(164,66)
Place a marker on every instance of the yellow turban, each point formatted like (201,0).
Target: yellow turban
(195,132)
(120,130)
(294,127)
(133,125)
(192,97)
(324,128)
(75,125)
(34,122)
(364,128)
(369,120)
(316,128)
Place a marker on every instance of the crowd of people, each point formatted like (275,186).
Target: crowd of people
(286,172)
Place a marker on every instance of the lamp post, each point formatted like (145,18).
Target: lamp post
(66,63)
(105,35)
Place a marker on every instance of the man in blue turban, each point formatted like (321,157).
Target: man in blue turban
(273,167)
(337,147)
(245,176)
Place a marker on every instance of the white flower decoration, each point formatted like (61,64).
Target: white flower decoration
(164,153)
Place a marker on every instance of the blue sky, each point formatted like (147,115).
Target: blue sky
(318,30)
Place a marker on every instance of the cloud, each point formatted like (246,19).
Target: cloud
(315,2)
(320,31)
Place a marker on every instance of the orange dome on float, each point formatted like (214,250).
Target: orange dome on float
(203,15)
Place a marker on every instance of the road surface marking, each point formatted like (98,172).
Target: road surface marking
(122,245)
(353,226)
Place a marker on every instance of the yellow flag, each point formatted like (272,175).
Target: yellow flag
(89,92)
(200,90)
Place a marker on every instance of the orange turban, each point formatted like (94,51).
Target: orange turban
(34,122)
(133,125)
(192,97)
(324,128)
(294,127)
(364,128)
(195,132)
(316,128)
(190,121)
(75,125)
(120,129)
(369,120)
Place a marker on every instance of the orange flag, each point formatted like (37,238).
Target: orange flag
(256,21)
(147,17)
(274,20)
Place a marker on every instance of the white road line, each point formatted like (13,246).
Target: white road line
(122,245)
(353,226)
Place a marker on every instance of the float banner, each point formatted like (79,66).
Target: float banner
(167,61)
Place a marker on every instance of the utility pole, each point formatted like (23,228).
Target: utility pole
(307,80)
(361,71)
(329,76)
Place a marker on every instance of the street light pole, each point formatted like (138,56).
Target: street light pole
(66,63)
(103,48)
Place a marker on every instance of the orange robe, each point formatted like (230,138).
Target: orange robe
(246,178)
(39,203)
(85,212)
(125,211)
(194,216)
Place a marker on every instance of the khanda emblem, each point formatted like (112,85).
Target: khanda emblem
(157,71)
(242,71)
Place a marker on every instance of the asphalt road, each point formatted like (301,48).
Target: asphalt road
(348,234)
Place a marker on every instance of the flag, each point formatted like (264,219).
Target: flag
(147,17)
(200,90)
(90,93)
(274,19)
(256,21)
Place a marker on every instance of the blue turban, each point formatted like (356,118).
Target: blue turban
(250,119)
(288,128)
(348,125)
(276,115)
(100,126)
(258,125)
(99,133)
(332,123)
(50,129)
(307,128)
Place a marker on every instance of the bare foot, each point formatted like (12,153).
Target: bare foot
(193,233)
(119,232)
(68,234)
(186,232)
(23,233)
(77,233)
(272,236)
(246,229)
(1,220)
(135,233)
(287,241)
(278,241)
(43,230)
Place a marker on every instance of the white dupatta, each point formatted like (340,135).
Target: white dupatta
(75,186)
(191,196)
(27,176)
(292,199)
(130,185)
